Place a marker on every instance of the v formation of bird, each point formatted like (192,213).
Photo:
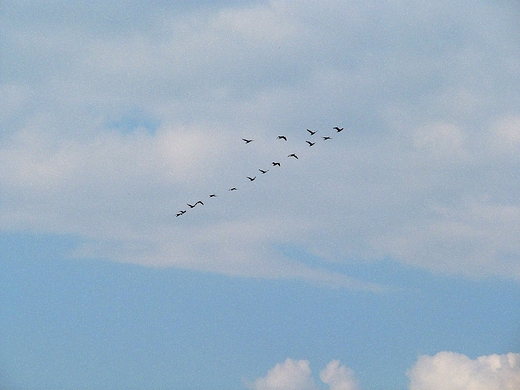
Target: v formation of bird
(263,171)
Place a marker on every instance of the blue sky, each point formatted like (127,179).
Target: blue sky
(385,258)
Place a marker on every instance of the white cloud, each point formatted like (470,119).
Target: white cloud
(296,375)
(425,171)
(338,377)
(444,371)
(453,371)
(290,375)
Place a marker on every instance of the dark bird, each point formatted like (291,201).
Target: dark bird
(310,143)
(338,129)
(180,213)
(282,137)
(252,178)
(293,155)
(261,170)
(276,164)
(233,189)
(198,202)
(247,140)
(326,138)
(311,132)
(213,196)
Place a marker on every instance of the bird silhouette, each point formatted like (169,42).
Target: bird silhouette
(264,171)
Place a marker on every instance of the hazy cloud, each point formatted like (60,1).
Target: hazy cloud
(113,118)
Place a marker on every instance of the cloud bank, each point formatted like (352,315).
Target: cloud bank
(444,371)
(111,124)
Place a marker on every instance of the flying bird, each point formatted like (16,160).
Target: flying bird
(276,164)
(252,178)
(293,155)
(261,170)
(310,143)
(282,137)
(247,140)
(213,196)
(233,189)
(311,132)
(338,129)
(180,213)
(326,138)
(198,202)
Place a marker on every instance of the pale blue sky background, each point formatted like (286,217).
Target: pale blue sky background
(396,239)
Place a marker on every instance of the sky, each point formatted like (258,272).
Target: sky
(386,257)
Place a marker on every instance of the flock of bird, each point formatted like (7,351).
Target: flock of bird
(262,171)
